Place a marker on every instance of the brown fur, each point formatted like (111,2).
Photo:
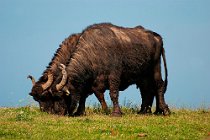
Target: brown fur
(122,56)
(63,54)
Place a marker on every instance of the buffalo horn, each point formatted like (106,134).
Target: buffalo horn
(65,89)
(32,79)
(48,83)
(64,77)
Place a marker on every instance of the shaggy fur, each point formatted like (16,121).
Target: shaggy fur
(112,57)
(46,101)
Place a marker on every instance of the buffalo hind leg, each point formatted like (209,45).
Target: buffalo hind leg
(158,111)
(147,95)
(147,100)
(160,89)
(161,106)
(148,92)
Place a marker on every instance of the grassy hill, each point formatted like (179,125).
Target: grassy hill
(30,123)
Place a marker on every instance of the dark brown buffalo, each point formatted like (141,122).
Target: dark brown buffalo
(112,57)
(41,89)
(42,94)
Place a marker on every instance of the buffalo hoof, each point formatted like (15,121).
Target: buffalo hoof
(71,115)
(77,114)
(158,112)
(106,112)
(116,114)
(145,110)
(166,112)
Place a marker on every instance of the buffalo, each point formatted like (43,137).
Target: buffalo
(41,89)
(113,57)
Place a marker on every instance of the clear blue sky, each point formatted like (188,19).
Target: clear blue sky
(31,31)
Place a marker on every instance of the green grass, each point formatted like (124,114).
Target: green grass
(30,123)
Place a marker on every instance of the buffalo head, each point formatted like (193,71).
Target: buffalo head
(41,93)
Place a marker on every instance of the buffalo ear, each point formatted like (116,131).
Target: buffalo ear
(45,94)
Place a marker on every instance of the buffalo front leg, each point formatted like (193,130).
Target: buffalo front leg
(100,97)
(81,108)
(72,104)
(114,95)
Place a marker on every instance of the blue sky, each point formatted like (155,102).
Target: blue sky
(31,31)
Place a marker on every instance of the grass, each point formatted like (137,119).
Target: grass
(30,123)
